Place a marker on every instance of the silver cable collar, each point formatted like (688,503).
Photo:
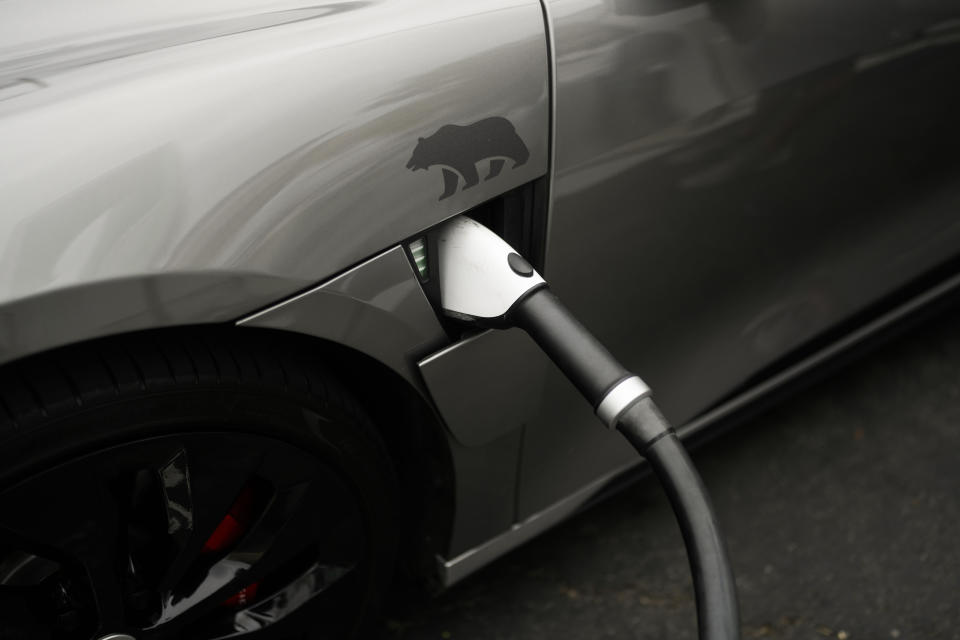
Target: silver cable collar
(619,398)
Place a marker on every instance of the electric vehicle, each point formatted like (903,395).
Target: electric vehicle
(228,402)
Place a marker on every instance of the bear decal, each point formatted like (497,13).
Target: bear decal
(458,149)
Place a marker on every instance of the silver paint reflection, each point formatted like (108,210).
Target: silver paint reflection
(252,140)
(377,308)
(741,176)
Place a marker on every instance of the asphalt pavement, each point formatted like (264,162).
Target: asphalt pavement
(841,507)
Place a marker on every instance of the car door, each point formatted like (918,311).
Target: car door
(733,179)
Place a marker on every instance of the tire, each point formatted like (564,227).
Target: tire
(189,485)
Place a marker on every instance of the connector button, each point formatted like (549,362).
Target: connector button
(520,266)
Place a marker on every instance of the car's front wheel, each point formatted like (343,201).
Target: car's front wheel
(189,486)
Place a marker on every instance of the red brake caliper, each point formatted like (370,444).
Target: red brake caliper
(230,529)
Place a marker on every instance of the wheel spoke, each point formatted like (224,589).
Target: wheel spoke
(281,533)
(177,497)
(238,568)
(294,596)
(315,521)
(107,589)
(296,549)
(325,543)
(212,482)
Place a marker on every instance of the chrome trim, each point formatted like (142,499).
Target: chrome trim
(624,394)
(456,569)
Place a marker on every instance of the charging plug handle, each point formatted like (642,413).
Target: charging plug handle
(483,281)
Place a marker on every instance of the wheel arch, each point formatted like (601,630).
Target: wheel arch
(368,325)
(417,443)
(410,429)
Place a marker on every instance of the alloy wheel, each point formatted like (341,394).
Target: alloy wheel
(200,535)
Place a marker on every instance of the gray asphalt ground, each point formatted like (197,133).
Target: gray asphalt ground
(841,508)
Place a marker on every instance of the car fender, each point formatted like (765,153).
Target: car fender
(203,165)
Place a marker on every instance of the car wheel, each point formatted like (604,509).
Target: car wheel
(189,486)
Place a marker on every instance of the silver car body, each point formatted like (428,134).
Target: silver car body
(736,190)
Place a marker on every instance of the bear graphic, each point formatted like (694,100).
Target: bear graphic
(458,149)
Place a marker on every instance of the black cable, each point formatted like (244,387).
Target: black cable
(651,435)
(594,371)
(475,286)
(581,357)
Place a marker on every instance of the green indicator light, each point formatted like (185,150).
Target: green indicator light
(418,249)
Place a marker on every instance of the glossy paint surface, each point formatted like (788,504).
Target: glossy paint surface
(260,143)
(732,179)
(377,308)
(501,398)
(485,388)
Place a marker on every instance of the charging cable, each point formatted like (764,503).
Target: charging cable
(483,281)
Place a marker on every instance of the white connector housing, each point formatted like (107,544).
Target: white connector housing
(476,277)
